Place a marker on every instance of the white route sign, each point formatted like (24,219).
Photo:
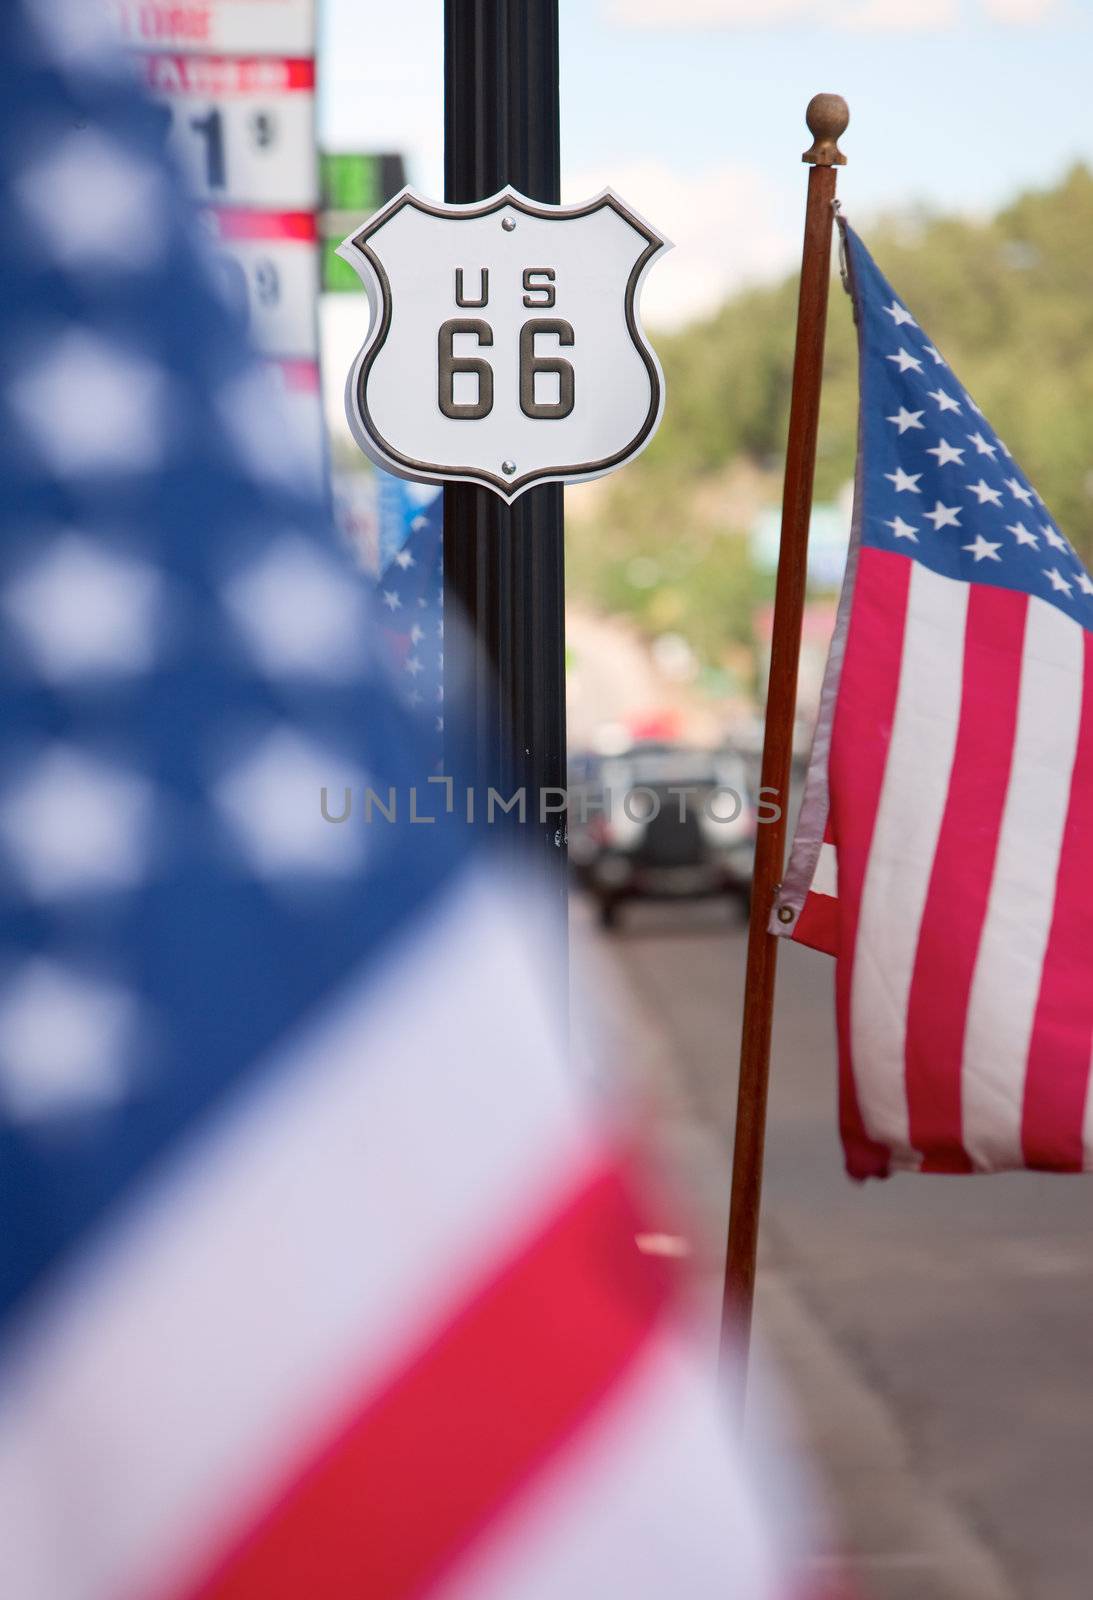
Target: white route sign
(505,347)
(243,27)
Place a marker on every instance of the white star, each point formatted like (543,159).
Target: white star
(977,409)
(391,600)
(298,612)
(417,633)
(1057,581)
(91,407)
(65,1042)
(1004,447)
(905,419)
(943,516)
(905,480)
(84,612)
(80,37)
(413,665)
(938,358)
(440,724)
(945,401)
(92,204)
(1022,534)
(405,560)
(984,493)
(946,452)
(1085,582)
(414,698)
(904,359)
(74,825)
(1018,491)
(901,529)
(982,446)
(272,799)
(1053,536)
(899,314)
(278,441)
(982,549)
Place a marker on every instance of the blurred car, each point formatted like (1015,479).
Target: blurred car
(661,821)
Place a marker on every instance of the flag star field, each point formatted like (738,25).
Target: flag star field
(939,482)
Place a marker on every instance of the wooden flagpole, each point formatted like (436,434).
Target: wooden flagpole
(827,117)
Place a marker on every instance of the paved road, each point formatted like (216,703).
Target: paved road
(936,1334)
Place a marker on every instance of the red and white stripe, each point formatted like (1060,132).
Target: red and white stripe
(382,1331)
(960,804)
(817,924)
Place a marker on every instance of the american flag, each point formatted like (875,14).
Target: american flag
(317,1278)
(411,594)
(944,852)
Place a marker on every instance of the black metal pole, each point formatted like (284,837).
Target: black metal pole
(504,565)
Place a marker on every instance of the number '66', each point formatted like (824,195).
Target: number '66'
(449,364)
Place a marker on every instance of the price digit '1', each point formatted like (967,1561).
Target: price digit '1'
(449,365)
(212,127)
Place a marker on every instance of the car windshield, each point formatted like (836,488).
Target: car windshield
(700,768)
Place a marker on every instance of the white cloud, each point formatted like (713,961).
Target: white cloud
(1021,12)
(383,83)
(723,224)
(707,13)
(908,15)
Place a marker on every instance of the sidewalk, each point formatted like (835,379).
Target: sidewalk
(891,1533)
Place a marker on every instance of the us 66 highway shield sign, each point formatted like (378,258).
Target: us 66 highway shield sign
(505,347)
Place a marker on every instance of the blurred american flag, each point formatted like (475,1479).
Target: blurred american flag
(316,1275)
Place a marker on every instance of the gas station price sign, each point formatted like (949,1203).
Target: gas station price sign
(237,80)
(242,128)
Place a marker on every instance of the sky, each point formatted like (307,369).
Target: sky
(693,110)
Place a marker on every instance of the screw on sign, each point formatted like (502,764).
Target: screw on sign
(505,347)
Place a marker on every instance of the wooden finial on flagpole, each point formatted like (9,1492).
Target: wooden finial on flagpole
(827,117)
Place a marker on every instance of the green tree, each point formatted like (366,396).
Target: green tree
(1006,299)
